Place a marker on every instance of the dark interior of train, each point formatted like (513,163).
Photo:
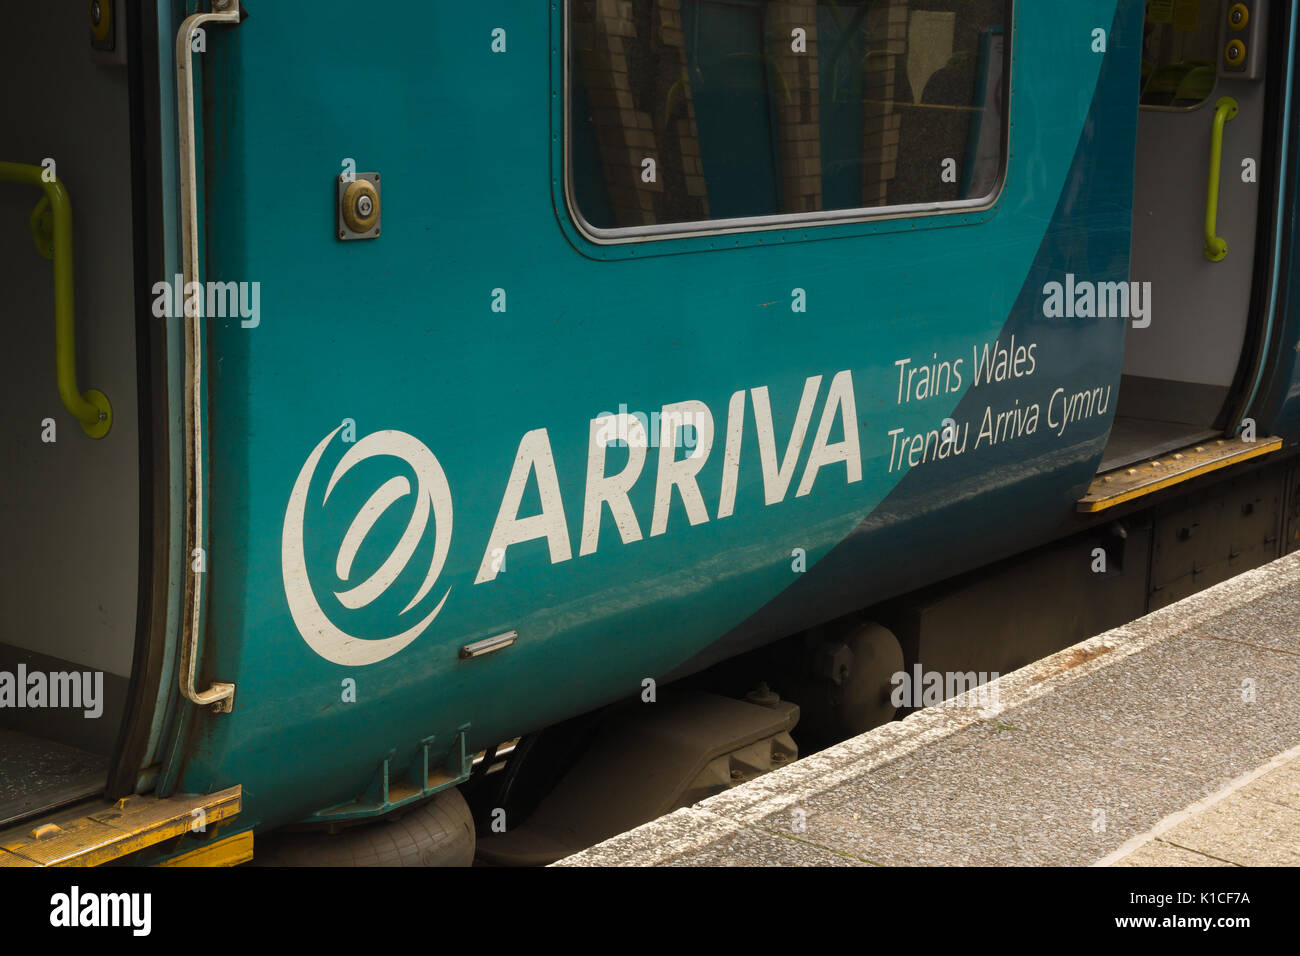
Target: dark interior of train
(746,127)
(68,572)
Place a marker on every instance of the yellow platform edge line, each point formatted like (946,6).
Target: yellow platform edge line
(1101,504)
(231,851)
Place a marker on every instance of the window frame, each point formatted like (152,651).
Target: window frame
(782,227)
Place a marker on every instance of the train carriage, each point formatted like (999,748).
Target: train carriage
(510,423)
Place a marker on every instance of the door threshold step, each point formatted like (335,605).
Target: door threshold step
(232,851)
(89,836)
(1115,487)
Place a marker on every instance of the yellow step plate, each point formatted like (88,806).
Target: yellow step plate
(91,836)
(1124,484)
(231,851)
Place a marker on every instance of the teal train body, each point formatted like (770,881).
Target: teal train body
(401,452)
(400,334)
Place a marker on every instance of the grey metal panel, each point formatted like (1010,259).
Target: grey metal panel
(69,533)
(1162,400)
(1199,308)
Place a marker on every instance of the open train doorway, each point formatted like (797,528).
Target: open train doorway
(1201,138)
(70,486)
(1201,130)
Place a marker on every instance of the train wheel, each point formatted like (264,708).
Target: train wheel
(845,689)
(437,833)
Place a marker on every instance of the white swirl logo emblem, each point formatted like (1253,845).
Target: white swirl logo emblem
(431,494)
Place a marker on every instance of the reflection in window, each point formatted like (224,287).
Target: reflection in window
(694,110)
(1179,52)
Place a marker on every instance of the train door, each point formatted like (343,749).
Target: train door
(1201,138)
(71,479)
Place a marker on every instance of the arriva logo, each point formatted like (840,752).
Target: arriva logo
(432,494)
(684,495)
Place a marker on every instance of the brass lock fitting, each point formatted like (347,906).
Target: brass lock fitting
(101,24)
(359,206)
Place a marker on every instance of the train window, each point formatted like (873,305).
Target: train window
(713,114)
(1179,52)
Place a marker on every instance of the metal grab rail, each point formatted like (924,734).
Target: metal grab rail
(220,696)
(1216,248)
(51,225)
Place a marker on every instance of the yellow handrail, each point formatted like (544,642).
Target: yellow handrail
(1215,247)
(51,224)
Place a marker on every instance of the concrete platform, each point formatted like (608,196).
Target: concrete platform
(1171,741)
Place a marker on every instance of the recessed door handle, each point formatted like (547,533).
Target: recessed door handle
(220,696)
